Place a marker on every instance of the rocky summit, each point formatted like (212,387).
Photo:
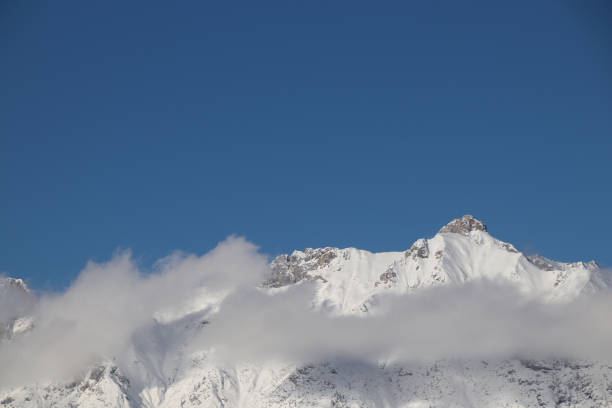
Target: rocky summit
(464,225)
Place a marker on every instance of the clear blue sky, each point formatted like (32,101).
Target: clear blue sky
(159,126)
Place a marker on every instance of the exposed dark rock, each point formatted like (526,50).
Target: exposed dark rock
(387,277)
(97,373)
(420,249)
(290,269)
(464,225)
(7,401)
(535,366)
(509,247)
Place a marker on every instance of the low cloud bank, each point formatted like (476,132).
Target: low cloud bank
(99,316)
(110,302)
(479,320)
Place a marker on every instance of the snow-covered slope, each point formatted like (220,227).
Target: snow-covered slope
(161,369)
(462,251)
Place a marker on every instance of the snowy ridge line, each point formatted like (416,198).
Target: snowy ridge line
(461,252)
(164,363)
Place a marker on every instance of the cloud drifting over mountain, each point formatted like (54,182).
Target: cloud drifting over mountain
(100,315)
(109,302)
(478,320)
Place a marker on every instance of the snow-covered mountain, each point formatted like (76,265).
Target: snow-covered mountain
(462,251)
(161,369)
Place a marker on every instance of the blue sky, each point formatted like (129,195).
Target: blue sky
(300,124)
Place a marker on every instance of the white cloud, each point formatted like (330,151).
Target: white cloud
(481,320)
(111,304)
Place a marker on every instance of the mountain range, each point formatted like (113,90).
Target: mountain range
(161,368)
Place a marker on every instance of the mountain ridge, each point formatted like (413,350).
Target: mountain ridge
(159,368)
(461,251)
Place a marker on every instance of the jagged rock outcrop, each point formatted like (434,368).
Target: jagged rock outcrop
(419,249)
(464,225)
(290,269)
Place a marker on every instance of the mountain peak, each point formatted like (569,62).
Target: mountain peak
(12,283)
(464,225)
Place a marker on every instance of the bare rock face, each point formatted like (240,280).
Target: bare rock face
(289,269)
(419,249)
(387,278)
(464,225)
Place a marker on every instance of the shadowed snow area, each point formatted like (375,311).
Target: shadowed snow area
(460,319)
